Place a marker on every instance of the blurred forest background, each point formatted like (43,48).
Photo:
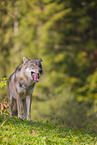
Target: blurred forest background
(64,34)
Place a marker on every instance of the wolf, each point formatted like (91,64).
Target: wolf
(21,85)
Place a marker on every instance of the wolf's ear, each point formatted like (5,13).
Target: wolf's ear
(25,59)
(40,59)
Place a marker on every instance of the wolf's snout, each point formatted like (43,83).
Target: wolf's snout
(40,71)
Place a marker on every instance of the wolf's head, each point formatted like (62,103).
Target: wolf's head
(32,68)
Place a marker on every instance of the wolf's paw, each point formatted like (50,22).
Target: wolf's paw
(24,117)
(20,116)
(28,118)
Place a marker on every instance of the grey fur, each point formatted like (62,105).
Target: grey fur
(21,85)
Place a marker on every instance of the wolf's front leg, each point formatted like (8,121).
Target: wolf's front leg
(28,103)
(24,108)
(19,106)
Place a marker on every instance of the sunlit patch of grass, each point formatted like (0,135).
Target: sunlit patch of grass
(18,132)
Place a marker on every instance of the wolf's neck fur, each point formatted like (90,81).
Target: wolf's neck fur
(24,79)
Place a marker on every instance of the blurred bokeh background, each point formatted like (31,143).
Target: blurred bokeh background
(64,34)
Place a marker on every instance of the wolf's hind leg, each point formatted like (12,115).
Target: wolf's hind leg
(11,105)
(19,106)
(14,110)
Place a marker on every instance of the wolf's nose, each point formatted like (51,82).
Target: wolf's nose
(40,71)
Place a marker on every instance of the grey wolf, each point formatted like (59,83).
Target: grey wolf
(21,85)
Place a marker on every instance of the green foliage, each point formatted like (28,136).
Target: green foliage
(15,131)
(64,35)
(3,82)
(66,108)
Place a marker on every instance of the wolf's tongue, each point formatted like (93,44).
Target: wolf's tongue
(35,76)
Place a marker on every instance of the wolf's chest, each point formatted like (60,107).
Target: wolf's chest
(24,90)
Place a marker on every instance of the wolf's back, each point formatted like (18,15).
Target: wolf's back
(11,86)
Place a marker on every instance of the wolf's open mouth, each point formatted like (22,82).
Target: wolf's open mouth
(35,76)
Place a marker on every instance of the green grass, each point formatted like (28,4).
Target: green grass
(14,131)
